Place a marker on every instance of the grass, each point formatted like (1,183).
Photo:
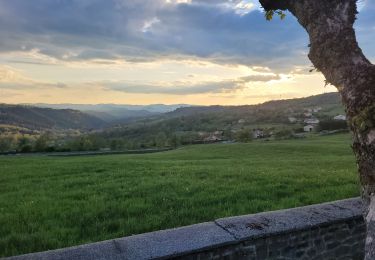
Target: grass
(48,203)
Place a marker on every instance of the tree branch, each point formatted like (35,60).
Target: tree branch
(270,5)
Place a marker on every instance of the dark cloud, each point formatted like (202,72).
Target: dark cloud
(152,29)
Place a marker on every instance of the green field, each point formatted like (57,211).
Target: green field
(53,202)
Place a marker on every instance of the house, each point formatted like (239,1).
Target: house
(308,128)
(241,121)
(258,133)
(340,117)
(292,119)
(307,114)
(311,121)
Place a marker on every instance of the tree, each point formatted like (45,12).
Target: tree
(116,144)
(330,124)
(335,52)
(244,136)
(175,141)
(6,143)
(24,145)
(41,144)
(283,134)
(161,139)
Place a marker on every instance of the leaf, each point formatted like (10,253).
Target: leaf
(269,15)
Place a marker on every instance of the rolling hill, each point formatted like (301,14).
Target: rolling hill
(115,113)
(47,118)
(185,125)
(142,119)
(189,124)
(329,102)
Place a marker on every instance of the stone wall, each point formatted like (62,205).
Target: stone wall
(334,230)
(343,240)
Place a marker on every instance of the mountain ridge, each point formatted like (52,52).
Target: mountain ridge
(67,118)
(47,118)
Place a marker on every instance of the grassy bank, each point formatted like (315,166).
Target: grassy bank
(48,202)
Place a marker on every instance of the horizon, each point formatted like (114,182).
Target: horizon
(195,52)
(160,104)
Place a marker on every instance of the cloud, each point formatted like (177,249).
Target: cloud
(261,78)
(12,79)
(149,23)
(182,89)
(8,74)
(221,31)
(189,88)
(218,30)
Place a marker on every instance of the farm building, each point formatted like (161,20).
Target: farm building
(308,128)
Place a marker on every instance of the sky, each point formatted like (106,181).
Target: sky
(200,52)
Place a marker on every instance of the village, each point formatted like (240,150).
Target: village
(299,125)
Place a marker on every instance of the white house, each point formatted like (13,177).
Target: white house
(340,117)
(308,128)
(258,133)
(292,119)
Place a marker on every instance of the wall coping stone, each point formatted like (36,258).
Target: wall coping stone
(288,220)
(195,238)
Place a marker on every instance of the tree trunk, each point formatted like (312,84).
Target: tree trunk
(335,52)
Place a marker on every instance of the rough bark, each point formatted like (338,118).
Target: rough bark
(335,52)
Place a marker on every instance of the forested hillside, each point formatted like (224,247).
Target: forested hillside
(51,129)
(329,102)
(225,123)
(36,118)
